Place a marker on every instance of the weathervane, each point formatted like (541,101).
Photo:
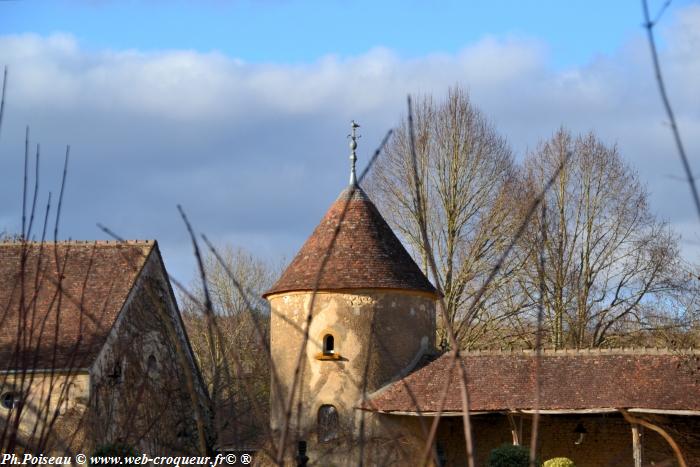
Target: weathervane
(353,158)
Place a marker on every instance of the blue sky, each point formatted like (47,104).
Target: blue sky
(281,31)
(239,110)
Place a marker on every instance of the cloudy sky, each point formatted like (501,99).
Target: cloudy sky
(239,110)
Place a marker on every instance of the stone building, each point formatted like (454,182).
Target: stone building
(357,379)
(372,321)
(582,396)
(93,351)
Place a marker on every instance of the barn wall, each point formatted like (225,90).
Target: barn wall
(608,441)
(50,402)
(139,389)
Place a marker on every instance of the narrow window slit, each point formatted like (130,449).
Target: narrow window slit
(328,344)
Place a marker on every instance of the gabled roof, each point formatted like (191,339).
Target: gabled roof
(365,254)
(570,380)
(72,295)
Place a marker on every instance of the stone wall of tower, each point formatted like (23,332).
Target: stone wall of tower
(379,335)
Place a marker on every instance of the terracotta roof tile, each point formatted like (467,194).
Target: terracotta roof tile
(570,380)
(63,323)
(366,253)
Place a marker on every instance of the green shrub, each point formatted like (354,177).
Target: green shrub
(508,455)
(559,462)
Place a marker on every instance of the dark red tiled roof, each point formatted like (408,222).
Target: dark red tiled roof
(63,323)
(571,380)
(366,254)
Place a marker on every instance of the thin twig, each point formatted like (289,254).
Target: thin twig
(60,195)
(36,192)
(46,219)
(649,25)
(209,313)
(24,183)
(662,10)
(538,342)
(2,101)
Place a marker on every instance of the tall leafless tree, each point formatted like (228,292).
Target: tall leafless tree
(606,255)
(241,406)
(464,167)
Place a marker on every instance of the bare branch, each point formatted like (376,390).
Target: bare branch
(2,100)
(649,25)
(538,342)
(60,195)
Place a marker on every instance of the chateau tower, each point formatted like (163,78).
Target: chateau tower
(370,315)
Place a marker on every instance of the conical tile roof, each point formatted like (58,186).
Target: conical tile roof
(365,254)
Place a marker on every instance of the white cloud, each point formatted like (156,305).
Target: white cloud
(259,150)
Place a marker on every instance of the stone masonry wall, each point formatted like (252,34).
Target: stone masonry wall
(379,335)
(52,409)
(139,391)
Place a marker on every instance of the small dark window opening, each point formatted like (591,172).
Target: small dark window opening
(9,400)
(328,344)
(328,423)
(152,365)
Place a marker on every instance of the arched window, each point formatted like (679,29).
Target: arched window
(327,423)
(328,344)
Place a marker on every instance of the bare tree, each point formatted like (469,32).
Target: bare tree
(671,321)
(238,372)
(463,168)
(607,257)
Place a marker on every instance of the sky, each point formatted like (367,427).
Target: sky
(239,110)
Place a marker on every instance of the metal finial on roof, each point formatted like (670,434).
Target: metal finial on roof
(353,158)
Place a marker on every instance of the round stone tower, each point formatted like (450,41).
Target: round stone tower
(350,314)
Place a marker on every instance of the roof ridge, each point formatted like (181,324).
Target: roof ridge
(79,242)
(587,351)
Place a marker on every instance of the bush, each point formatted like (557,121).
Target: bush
(559,462)
(508,455)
